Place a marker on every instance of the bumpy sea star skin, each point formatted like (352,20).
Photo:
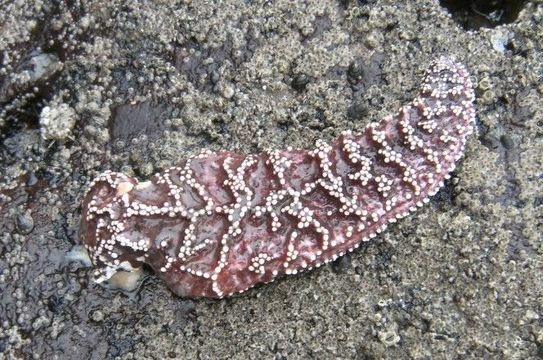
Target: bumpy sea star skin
(219,223)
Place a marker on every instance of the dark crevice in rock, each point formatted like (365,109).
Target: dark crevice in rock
(342,265)
(444,198)
(475,14)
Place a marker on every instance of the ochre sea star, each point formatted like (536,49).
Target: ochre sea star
(219,223)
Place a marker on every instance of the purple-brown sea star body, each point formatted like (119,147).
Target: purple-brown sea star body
(219,223)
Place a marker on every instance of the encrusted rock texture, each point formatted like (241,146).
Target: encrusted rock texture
(135,87)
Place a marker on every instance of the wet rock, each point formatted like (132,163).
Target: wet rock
(299,82)
(357,111)
(131,120)
(342,264)
(362,74)
(470,256)
(507,141)
(215,76)
(31,179)
(25,223)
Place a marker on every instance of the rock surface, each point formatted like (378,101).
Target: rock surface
(461,278)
